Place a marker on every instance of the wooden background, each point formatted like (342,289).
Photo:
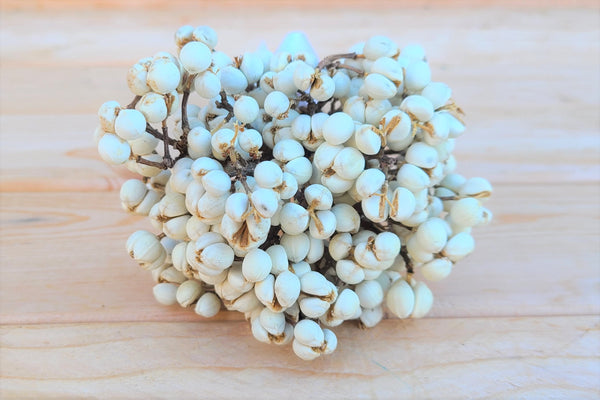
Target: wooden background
(517,319)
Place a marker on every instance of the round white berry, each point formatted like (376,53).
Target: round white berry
(207,84)
(438,93)
(252,67)
(137,77)
(338,128)
(107,113)
(400,299)
(422,155)
(322,226)
(276,103)
(346,217)
(208,305)
(379,46)
(379,87)
(113,149)
(323,88)
(163,76)
(423,300)
(419,106)
(245,109)
(287,288)
(273,322)
(403,204)
(256,265)
(268,174)
(300,168)
(195,57)
(183,35)
(199,143)
(349,163)
(437,269)
(265,202)
(233,81)
(153,107)
(309,333)
(130,124)
(459,246)
(387,246)
(287,150)
(418,75)
(296,246)
(294,218)
(165,293)
(206,35)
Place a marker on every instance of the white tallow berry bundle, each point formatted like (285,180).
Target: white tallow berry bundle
(302,193)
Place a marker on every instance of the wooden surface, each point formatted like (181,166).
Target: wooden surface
(517,319)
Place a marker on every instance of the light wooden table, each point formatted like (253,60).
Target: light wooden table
(517,319)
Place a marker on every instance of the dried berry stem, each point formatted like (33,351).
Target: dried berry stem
(159,135)
(167,160)
(224,104)
(141,160)
(331,60)
(407,261)
(134,102)
(348,67)
(185,126)
(272,237)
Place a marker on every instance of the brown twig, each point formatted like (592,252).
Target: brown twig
(330,60)
(141,160)
(134,102)
(272,238)
(167,160)
(224,104)
(407,260)
(159,135)
(185,126)
(181,144)
(348,67)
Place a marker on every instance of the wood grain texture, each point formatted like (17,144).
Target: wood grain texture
(517,319)
(476,358)
(278,4)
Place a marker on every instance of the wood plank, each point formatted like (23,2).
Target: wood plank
(36,5)
(457,36)
(476,358)
(63,259)
(517,319)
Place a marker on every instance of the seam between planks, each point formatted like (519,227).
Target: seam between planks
(4,324)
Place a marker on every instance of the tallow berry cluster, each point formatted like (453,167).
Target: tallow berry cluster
(302,193)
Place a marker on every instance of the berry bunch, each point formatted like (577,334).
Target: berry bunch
(302,193)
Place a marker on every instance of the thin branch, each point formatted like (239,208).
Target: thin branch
(407,260)
(141,160)
(251,87)
(330,60)
(349,67)
(185,126)
(181,144)
(134,102)
(167,160)
(224,104)
(159,135)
